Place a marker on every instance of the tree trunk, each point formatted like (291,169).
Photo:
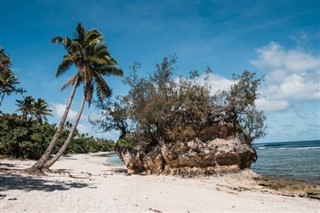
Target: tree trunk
(36,168)
(1,99)
(65,145)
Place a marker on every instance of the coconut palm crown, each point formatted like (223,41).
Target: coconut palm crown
(87,52)
(25,106)
(8,81)
(41,110)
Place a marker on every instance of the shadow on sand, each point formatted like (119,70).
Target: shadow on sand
(28,183)
(15,180)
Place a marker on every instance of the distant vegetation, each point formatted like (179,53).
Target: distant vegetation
(29,139)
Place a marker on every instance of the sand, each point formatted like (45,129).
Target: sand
(85,183)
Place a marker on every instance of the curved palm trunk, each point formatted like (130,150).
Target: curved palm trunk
(40,163)
(65,145)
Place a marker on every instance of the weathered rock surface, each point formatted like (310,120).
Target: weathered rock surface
(190,158)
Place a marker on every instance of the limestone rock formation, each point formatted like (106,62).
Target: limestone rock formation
(190,158)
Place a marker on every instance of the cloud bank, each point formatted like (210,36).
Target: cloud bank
(291,75)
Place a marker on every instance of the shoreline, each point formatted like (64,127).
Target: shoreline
(87,183)
(272,177)
(288,179)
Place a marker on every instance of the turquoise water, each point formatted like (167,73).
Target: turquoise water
(114,159)
(298,160)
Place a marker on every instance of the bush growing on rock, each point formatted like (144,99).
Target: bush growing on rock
(161,111)
(159,107)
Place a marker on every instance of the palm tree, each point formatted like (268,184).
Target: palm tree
(8,80)
(25,107)
(41,110)
(5,62)
(7,84)
(90,55)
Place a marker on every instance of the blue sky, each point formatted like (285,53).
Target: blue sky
(277,39)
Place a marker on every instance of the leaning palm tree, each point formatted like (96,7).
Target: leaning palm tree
(90,55)
(40,110)
(25,106)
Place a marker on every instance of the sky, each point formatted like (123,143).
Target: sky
(279,40)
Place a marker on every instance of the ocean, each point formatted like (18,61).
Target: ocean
(113,158)
(299,160)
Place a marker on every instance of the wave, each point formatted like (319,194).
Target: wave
(287,148)
(301,148)
(262,147)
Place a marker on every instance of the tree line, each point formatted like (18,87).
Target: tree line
(29,139)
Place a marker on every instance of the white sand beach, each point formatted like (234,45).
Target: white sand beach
(85,183)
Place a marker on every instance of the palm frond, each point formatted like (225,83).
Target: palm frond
(61,40)
(94,37)
(111,61)
(19,103)
(67,42)
(101,50)
(111,71)
(88,91)
(40,110)
(70,82)
(57,40)
(103,90)
(95,41)
(71,46)
(65,65)
(98,60)
(80,33)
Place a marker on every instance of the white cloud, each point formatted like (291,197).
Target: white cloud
(273,56)
(58,110)
(216,82)
(272,105)
(83,129)
(94,116)
(300,87)
(267,104)
(291,75)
